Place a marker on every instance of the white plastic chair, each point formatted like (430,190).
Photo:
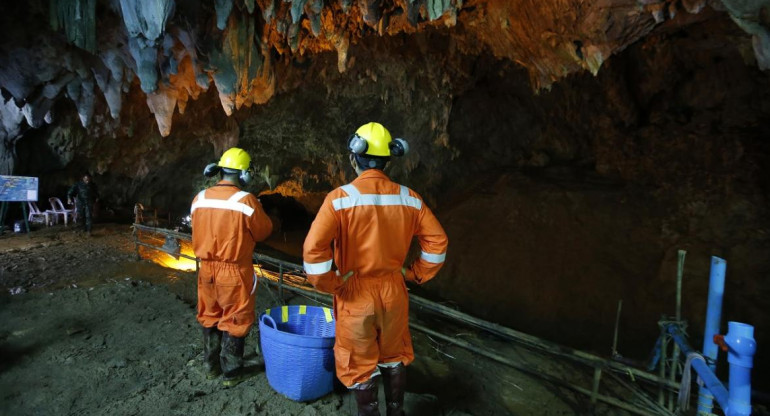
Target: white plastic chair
(57,208)
(35,215)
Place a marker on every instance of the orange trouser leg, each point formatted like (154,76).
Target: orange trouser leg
(372,326)
(226,297)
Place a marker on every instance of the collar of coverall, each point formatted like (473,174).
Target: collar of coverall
(224,182)
(372,174)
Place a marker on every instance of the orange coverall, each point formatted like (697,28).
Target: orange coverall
(226,225)
(371,222)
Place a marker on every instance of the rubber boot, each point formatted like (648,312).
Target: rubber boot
(231,360)
(366,398)
(212,339)
(394,381)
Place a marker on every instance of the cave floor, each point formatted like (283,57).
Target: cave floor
(90,329)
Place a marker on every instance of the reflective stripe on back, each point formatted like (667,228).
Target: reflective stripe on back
(351,190)
(231,203)
(357,199)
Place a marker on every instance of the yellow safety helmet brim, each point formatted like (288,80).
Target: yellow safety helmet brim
(377,138)
(235,158)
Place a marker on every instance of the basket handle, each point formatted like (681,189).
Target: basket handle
(270,321)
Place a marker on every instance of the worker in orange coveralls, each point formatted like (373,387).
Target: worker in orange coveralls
(371,223)
(226,225)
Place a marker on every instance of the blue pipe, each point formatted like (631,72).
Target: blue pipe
(713,317)
(710,380)
(741,349)
(740,355)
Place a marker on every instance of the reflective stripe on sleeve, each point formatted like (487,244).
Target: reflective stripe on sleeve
(433,258)
(317,268)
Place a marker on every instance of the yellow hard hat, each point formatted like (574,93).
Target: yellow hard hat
(376,140)
(235,158)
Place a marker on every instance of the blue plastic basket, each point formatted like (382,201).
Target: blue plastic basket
(297,343)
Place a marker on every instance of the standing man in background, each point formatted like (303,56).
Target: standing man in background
(371,223)
(86,194)
(226,225)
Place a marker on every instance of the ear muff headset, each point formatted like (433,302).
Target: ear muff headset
(398,147)
(211,170)
(359,146)
(244,176)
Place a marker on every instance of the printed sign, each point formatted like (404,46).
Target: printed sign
(18,188)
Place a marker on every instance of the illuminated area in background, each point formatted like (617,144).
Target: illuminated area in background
(166,260)
(290,278)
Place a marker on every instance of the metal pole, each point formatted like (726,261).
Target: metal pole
(675,359)
(26,220)
(679,274)
(3,210)
(662,371)
(614,351)
(595,389)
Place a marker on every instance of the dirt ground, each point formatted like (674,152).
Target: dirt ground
(90,329)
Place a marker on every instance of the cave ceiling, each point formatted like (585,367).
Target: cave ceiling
(177,51)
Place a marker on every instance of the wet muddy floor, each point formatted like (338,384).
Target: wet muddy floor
(90,329)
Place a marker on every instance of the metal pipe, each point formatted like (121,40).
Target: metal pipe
(713,317)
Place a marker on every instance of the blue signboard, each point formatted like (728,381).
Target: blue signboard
(18,188)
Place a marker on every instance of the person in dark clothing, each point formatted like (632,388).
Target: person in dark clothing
(86,194)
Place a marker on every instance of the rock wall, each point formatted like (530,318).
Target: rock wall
(558,203)
(566,202)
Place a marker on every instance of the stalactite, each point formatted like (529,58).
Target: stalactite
(162,103)
(223,9)
(746,14)
(345,4)
(237,64)
(78,18)
(11,118)
(370,10)
(436,8)
(191,50)
(85,102)
(268,9)
(114,82)
(249,5)
(293,36)
(297,7)
(314,15)
(145,21)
